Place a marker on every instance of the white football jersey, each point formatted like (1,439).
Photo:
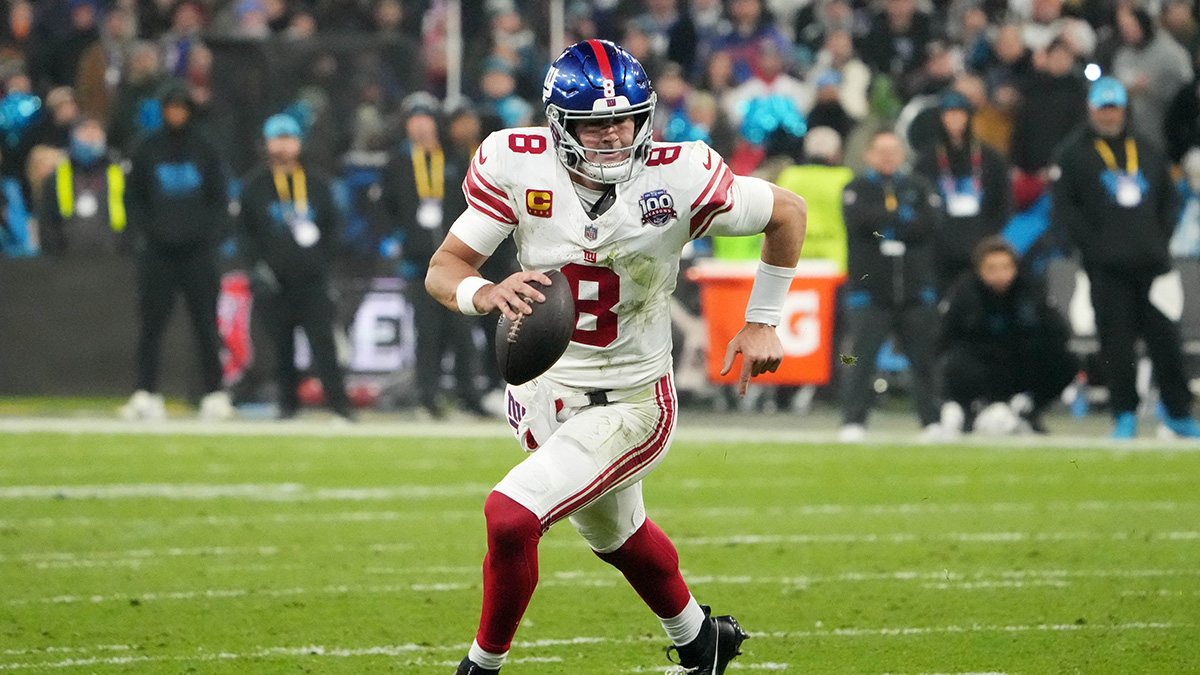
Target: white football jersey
(622,266)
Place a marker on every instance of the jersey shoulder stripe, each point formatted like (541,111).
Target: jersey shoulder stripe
(487,198)
(715,199)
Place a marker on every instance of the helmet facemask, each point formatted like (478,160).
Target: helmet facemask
(573,155)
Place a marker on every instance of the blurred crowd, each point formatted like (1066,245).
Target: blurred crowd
(979,94)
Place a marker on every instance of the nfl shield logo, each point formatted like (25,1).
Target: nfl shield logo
(590,232)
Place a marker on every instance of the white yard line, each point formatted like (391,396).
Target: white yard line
(800,510)
(941,580)
(745,431)
(401,650)
(909,538)
(267,492)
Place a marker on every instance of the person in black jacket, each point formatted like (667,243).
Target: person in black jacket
(1113,196)
(972,180)
(176,202)
(1053,100)
(1001,342)
(890,220)
(289,223)
(421,193)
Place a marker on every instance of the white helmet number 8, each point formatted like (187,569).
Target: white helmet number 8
(610,89)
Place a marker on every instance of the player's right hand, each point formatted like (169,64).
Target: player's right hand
(509,295)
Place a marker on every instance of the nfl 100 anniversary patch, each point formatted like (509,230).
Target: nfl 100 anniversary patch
(658,208)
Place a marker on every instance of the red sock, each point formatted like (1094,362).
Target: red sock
(510,570)
(651,565)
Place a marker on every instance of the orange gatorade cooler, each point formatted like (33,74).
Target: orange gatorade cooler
(806,330)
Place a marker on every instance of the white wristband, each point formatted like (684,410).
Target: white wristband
(467,288)
(770,290)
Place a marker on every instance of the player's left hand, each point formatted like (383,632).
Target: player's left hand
(761,351)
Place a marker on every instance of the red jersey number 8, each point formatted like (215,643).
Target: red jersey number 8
(606,295)
(527,144)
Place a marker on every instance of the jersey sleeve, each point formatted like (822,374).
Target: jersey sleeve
(752,204)
(727,205)
(491,214)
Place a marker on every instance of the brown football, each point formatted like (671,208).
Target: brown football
(527,347)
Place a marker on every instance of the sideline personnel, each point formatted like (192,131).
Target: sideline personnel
(1114,197)
(290,225)
(176,202)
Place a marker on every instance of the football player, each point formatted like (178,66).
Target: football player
(595,197)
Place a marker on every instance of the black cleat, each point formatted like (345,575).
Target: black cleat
(468,667)
(719,641)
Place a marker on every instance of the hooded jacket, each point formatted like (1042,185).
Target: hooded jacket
(176,196)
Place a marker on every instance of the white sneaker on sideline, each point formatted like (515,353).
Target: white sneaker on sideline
(932,433)
(144,406)
(216,407)
(852,433)
(997,420)
(953,420)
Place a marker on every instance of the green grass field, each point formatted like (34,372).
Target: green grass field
(286,554)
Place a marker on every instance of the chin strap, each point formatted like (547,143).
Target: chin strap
(606,200)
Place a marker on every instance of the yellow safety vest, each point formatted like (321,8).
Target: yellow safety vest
(64,179)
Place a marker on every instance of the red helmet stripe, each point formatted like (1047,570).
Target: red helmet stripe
(602,59)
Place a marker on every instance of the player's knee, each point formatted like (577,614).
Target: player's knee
(508,522)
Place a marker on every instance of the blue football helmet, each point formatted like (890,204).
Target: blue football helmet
(597,79)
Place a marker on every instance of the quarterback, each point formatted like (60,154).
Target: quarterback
(594,196)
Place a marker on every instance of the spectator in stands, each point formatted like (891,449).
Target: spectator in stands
(176,202)
(827,110)
(972,180)
(343,16)
(1008,62)
(658,21)
(16,38)
(891,218)
(1177,19)
(1047,23)
(672,90)
(20,111)
(291,226)
(1153,68)
(837,56)
(82,207)
(135,111)
(500,97)
(51,130)
(102,66)
(1053,101)
(821,181)
(154,18)
(1182,123)
(39,167)
(422,195)
(991,121)
(1001,346)
(187,23)
(63,30)
(697,24)
(895,46)
(750,24)
(1114,197)
(1185,242)
(514,42)
(769,81)
(817,21)
(401,54)
(938,71)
